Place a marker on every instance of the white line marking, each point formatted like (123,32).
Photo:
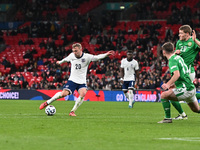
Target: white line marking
(196,139)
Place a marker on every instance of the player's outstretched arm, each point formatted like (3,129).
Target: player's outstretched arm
(102,56)
(57,62)
(110,53)
(61,61)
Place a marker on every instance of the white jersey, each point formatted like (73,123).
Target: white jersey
(129,69)
(80,65)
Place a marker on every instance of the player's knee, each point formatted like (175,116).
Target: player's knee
(82,94)
(163,95)
(125,92)
(130,91)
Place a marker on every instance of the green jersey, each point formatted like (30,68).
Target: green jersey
(189,49)
(177,63)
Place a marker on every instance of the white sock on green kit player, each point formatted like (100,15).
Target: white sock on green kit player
(55,97)
(183,114)
(78,102)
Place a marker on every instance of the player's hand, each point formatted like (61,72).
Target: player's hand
(57,62)
(177,51)
(172,86)
(165,86)
(110,53)
(121,80)
(193,35)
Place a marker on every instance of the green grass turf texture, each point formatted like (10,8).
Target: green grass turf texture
(98,126)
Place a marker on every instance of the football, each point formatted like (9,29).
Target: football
(50,110)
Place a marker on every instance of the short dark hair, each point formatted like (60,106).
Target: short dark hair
(168,47)
(130,51)
(186,29)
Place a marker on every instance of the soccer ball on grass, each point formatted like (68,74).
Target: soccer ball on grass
(50,110)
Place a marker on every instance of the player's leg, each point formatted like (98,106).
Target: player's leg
(192,77)
(166,107)
(125,89)
(82,90)
(177,106)
(58,95)
(131,85)
(190,98)
(68,89)
(193,103)
(194,106)
(127,92)
(131,101)
(55,97)
(165,96)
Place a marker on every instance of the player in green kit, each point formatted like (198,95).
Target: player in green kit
(187,47)
(180,86)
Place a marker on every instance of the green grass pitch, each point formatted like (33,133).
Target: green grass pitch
(98,126)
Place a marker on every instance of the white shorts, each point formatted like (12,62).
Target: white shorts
(183,95)
(192,76)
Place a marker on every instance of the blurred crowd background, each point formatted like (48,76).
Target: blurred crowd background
(47,29)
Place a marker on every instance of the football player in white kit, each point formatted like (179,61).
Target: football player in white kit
(129,72)
(77,80)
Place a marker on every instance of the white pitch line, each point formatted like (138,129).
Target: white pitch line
(196,139)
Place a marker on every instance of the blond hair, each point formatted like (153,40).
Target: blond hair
(77,45)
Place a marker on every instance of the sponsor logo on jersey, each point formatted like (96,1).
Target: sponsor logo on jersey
(189,43)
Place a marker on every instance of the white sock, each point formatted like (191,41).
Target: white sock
(78,102)
(55,97)
(183,114)
(127,95)
(130,97)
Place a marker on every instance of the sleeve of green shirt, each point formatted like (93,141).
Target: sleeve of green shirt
(173,66)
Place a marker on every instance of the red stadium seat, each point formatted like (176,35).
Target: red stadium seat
(50,78)
(92,71)
(164,69)
(16,82)
(39,79)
